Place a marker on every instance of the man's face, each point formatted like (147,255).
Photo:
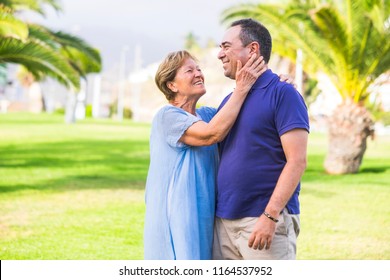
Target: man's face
(232,50)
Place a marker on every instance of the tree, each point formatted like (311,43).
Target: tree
(32,5)
(347,40)
(42,51)
(191,43)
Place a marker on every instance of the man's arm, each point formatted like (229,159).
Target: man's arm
(294,144)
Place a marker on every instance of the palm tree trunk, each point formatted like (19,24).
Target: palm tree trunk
(349,127)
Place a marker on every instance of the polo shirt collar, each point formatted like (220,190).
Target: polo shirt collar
(264,80)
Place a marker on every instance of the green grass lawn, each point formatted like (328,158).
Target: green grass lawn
(77,192)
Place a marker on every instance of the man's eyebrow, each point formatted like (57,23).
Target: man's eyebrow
(225,43)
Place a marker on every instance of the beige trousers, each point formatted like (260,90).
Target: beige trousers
(231,239)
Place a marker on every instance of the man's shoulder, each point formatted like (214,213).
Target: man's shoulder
(281,86)
(224,100)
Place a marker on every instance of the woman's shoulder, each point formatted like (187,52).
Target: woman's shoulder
(207,113)
(169,114)
(168,110)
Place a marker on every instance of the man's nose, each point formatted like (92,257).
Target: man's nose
(221,54)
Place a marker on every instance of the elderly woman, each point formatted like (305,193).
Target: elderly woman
(180,187)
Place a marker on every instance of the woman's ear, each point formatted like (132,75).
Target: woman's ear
(171,86)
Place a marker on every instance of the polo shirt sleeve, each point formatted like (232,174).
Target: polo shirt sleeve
(291,112)
(174,123)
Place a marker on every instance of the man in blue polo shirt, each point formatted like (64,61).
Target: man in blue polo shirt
(262,159)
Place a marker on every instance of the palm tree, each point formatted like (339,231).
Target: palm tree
(191,42)
(42,51)
(347,40)
(32,5)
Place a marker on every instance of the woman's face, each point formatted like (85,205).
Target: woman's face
(189,80)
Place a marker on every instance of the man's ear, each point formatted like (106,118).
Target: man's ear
(254,47)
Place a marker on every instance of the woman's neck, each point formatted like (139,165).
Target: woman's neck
(188,105)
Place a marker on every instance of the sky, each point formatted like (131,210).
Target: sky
(155,27)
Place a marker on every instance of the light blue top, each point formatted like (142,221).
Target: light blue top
(180,189)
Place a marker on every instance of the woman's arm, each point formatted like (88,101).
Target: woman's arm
(204,134)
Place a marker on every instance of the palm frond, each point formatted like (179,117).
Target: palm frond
(331,27)
(42,51)
(86,58)
(40,33)
(39,60)
(33,5)
(10,26)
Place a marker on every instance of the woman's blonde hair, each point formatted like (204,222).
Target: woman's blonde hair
(167,71)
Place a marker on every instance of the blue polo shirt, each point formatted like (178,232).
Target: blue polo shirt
(251,155)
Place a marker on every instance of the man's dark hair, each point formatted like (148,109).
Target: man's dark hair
(251,31)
